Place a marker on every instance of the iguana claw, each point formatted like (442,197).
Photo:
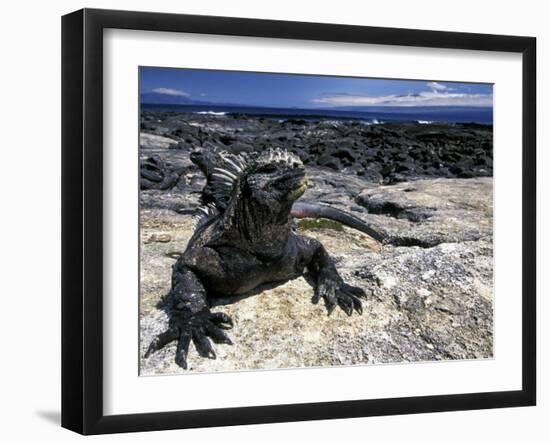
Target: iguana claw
(337,293)
(199,328)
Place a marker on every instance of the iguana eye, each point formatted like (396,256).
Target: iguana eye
(267,169)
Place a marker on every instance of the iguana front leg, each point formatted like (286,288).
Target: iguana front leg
(327,282)
(190,318)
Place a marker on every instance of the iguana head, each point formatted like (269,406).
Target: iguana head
(275,179)
(254,193)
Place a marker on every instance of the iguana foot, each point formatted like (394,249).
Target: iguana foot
(199,327)
(335,292)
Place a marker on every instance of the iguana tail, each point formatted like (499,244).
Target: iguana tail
(317,210)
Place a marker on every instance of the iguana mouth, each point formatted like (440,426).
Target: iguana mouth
(298,187)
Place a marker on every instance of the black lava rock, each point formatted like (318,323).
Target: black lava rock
(387,152)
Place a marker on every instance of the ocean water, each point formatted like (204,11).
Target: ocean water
(374,115)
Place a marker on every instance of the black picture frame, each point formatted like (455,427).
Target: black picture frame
(82,218)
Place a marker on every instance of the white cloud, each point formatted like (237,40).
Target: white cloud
(425,98)
(170,91)
(434,86)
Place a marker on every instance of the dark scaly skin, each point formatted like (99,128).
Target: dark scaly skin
(249,244)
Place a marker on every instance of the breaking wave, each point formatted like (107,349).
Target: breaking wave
(211,113)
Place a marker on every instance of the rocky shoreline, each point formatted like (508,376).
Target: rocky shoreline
(428,187)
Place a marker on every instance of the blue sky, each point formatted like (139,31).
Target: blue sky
(306,91)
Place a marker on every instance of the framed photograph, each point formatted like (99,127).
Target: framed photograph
(269,221)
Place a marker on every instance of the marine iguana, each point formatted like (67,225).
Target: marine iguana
(245,239)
